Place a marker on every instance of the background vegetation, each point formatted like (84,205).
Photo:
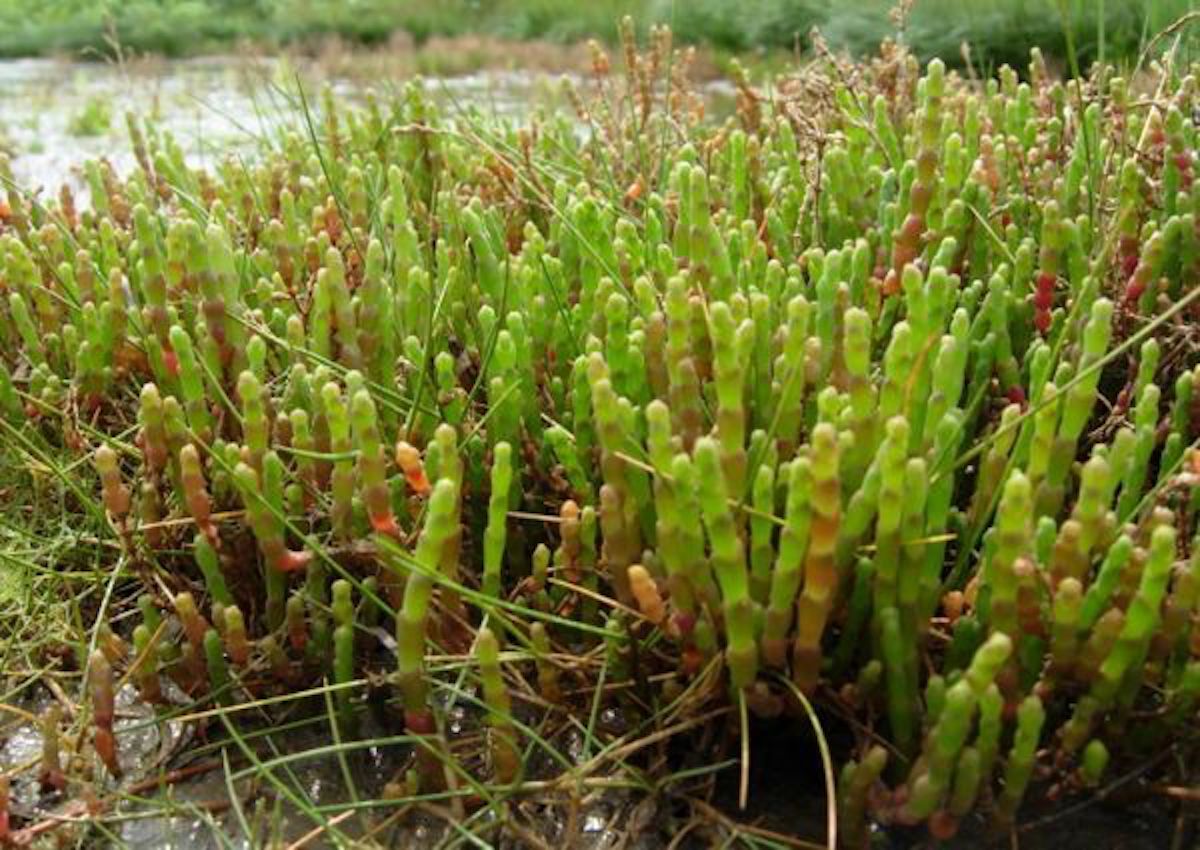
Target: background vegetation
(998,30)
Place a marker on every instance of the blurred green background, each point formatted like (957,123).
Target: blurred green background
(998,30)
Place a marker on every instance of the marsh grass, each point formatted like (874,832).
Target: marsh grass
(61,548)
(61,582)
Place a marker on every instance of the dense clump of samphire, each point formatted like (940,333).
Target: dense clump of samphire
(882,397)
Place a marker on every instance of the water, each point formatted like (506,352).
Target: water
(175,791)
(54,115)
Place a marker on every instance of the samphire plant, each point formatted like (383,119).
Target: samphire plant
(875,397)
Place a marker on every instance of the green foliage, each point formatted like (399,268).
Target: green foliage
(999,31)
(94,118)
(770,425)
